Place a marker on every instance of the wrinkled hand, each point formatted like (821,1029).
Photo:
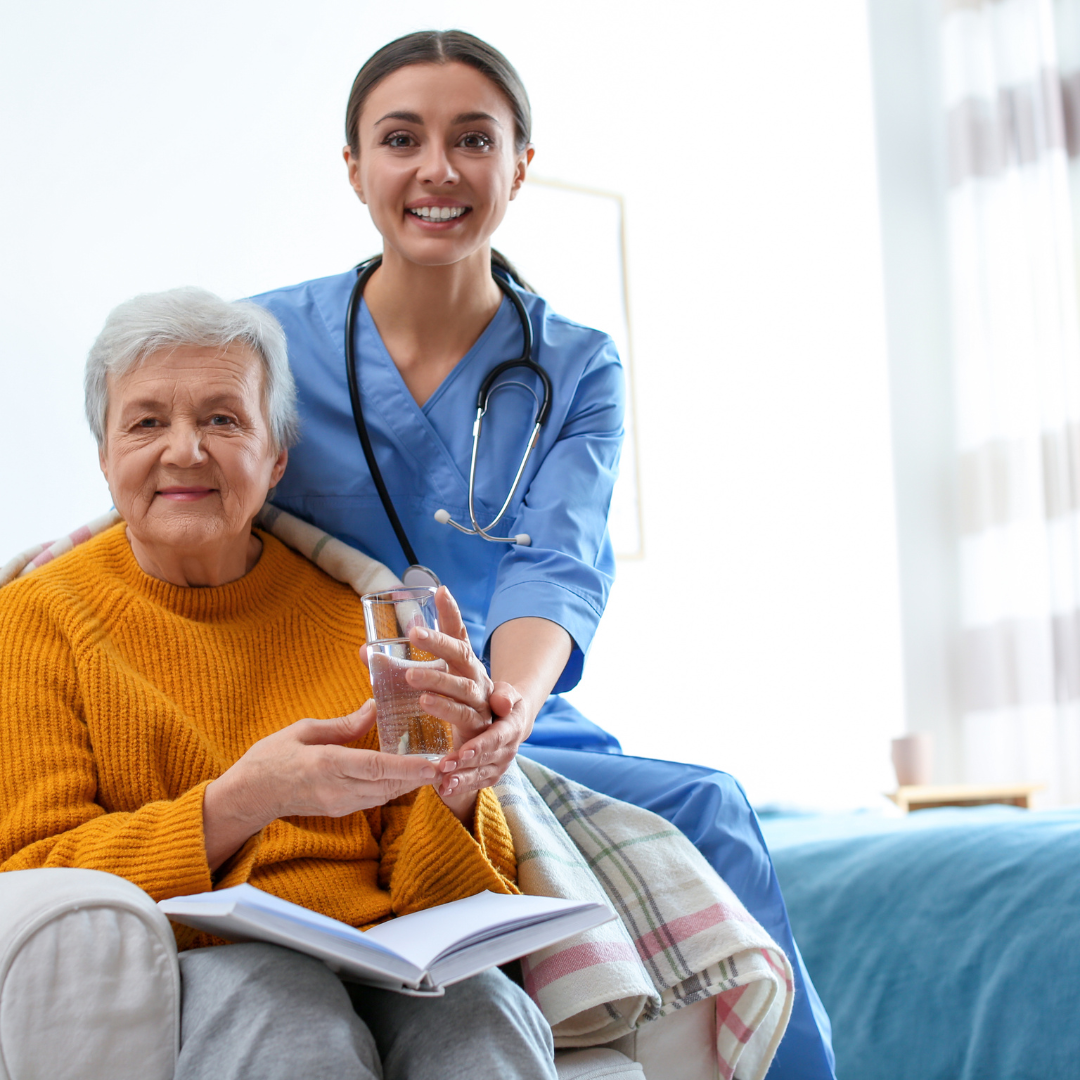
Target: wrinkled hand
(489,719)
(481,762)
(459,695)
(303,770)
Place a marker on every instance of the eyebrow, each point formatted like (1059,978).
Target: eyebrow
(152,404)
(142,405)
(416,118)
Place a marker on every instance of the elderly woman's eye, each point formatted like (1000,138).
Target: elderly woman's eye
(147,422)
(221,421)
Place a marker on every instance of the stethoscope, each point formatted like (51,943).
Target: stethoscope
(415,574)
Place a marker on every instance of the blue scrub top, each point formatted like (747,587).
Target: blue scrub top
(424,452)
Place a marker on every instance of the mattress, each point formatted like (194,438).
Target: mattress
(944,944)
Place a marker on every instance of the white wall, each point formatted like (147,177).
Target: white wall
(150,145)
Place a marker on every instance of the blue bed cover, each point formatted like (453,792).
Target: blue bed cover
(945,944)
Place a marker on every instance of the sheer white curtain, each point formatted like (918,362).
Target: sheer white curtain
(1012,88)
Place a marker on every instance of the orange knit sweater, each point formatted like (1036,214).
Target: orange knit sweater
(122,697)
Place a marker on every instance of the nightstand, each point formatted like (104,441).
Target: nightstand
(927,796)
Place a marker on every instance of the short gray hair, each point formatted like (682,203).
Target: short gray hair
(151,322)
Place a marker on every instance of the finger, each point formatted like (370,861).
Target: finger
(501,736)
(473,780)
(450,620)
(457,652)
(467,720)
(338,729)
(364,655)
(503,698)
(373,766)
(502,701)
(456,687)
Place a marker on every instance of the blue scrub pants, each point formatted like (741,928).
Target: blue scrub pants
(559,724)
(712,810)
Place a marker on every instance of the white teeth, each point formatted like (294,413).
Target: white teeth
(439,213)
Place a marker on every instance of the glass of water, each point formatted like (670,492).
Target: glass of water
(404,727)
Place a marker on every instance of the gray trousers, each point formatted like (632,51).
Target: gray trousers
(261,1012)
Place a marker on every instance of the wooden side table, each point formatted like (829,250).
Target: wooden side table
(927,796)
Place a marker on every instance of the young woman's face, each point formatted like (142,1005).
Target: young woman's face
(436,164)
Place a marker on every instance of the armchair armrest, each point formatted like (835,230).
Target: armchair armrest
(89,979)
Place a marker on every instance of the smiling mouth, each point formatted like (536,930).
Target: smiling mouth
(186,494)
(439,213)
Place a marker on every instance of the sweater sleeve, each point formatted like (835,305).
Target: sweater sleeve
(49,814)
(428,857)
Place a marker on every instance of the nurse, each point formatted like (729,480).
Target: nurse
(438,146)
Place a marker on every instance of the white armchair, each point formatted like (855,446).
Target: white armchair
(89,980)
(90,990)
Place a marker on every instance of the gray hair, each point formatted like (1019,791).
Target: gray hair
(151,322)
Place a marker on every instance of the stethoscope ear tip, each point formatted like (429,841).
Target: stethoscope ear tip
(442,516)
(524,539)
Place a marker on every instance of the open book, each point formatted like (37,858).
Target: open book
(418,953)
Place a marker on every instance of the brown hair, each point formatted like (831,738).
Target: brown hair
(440,47)
(444,47)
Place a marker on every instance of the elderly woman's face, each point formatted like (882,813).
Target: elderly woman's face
(188,453)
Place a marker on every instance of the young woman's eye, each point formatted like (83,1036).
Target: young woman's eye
(399,140)
(476,140)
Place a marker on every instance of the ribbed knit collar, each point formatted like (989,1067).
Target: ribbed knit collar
(263,592)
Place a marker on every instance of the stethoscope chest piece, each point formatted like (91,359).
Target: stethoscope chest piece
(416,577)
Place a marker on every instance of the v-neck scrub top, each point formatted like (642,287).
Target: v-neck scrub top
(424,452)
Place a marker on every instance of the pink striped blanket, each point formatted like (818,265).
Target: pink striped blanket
(681,935)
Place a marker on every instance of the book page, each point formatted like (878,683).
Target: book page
(223,901)
(423,936)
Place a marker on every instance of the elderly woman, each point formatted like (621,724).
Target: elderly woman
(182,704)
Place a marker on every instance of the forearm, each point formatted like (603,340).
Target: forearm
(530,654)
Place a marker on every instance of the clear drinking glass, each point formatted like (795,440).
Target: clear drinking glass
(404,727)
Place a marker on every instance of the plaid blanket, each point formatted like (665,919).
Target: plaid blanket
(681,935)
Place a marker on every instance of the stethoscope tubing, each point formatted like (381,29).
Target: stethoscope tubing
(365,272)
(487,388)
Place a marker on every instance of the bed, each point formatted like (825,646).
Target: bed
(945,945)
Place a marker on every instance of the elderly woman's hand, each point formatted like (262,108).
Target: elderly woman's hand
(459,694)
(491,719)
(529,654)
(303,770)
